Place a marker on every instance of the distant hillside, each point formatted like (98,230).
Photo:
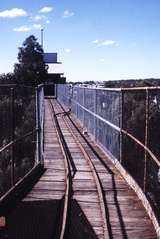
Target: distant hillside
(132,83)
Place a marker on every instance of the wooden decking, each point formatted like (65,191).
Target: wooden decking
(126,217)
(51,185)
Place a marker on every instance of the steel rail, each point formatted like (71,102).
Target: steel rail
(8,85)
(96,178)
(104,164)
(120,88)
(17,85)
(68,191)
(124,132)
(141,88)
(119,129)
(97,88)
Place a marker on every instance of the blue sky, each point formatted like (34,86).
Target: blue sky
(95,39)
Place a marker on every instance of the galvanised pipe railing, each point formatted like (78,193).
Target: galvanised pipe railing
(125,121)
(22,117)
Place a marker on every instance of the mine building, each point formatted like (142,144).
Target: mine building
(55,73)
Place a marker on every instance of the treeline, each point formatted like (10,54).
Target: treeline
(30,69)
(18,111)
(121,83)
(132,83)
(8,78)
(17,118)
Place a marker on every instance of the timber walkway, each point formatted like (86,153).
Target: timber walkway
(86,195)
(81,194)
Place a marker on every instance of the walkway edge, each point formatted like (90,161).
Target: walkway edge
(129,179)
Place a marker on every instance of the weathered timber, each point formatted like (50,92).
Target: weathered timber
(126,215)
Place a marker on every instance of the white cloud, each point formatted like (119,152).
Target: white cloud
(22,29)
(102,60)
(95,41)
(67,13)
(67,50)
(46,9)
(108,42)
(105,43)
(15,12)
(48,22)
(37,26)
(38,18)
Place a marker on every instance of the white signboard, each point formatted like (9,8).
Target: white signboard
(55,69)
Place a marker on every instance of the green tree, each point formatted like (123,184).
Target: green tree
(31,69)
(7,78)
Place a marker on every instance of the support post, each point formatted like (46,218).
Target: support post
(146,138)
(121,125)
(83,105)
(95,111)
(12,138)
(42,111)
(77,99)
(71,97)
(38,126)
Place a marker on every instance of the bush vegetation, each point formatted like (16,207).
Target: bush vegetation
(28,73)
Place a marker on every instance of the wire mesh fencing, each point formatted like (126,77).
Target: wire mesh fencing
(126,123)
(134,123)
(140,148)
(99,111)
(18,135)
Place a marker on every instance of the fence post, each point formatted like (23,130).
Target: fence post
(146,138)
(77,99)
(12,138)
(121,101)
(95,111)
(42,124)
(55,91)
(38,125)
(83,105)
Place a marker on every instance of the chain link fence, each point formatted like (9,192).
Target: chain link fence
(99,111)
(140,148)
(19,133)
(126,122)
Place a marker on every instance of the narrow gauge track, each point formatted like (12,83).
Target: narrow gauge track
(62,220)
(85,184)
(124,216)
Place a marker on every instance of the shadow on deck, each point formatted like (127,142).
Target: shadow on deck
(38,220)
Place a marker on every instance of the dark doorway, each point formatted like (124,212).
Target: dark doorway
(49,89)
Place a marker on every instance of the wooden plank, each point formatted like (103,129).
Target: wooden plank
(125,211)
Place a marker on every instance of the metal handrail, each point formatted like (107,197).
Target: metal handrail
(17,140)
(8,85)
(119,129)
(119,89)
(36,129)
(16,85)
(155,159)
(122,136)
(123,131)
